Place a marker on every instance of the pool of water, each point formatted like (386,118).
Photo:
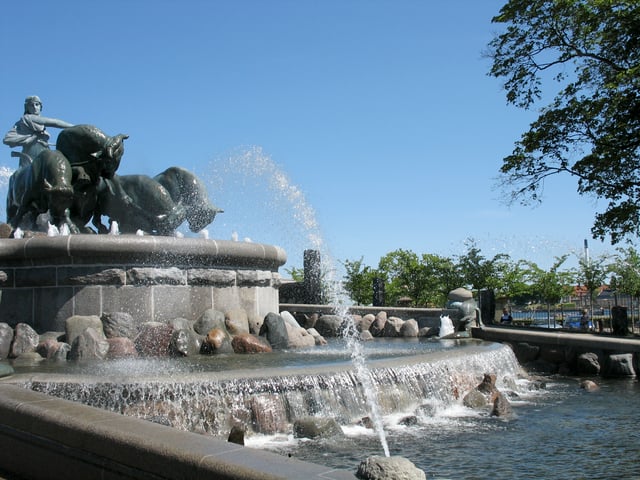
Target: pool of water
(335,353)
(560,432)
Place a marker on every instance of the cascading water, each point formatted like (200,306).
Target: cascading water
(254,164)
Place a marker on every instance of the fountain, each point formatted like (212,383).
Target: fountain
(160,278)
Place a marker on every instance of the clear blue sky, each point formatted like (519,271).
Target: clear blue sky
(369,124)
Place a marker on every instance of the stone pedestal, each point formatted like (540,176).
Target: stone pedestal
(47,279)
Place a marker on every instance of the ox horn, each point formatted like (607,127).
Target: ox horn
(47,185)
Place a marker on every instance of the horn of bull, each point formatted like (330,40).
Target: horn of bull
(47,186)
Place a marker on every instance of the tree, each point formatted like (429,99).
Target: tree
(589,50)
(626,268)
(404,275)
(479,272)
(593,273)
(358,281)
(550,286)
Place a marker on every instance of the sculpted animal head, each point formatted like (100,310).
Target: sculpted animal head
(201,216)
(110,155)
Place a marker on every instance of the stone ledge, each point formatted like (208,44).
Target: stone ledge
(77,441)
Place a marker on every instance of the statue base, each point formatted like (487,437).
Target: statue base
(45,280)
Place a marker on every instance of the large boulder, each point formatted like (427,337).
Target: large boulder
(209,320)
(274,330)
(121,347)
(299,337)
(330,325)
(619,365)
(409,329)
(184,343)
(316,427)
(25,339)
(216,341)
(248,343)
(119,324)
(377,326)
(6,337)
(392,327)
(154,339)
(588,364)
(77,324)
(89,345)
(236,321)
(389,468)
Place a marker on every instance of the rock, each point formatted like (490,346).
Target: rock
(501,406)
(209,320)
(236,435)
(269,414)
(365,322)
(77,324)
(389,468)
(25,339)
(247,343)
(526,353)
(428,331)
(299,337)
(589,386)
(119,324)
(366,422)
(409,421)
(290,319)
(316,427)
(392,327)
(552,354)
(217,341)
(121,347)
(6,337)
(28,359)
(89,345)
(377,327)
(154,339)
(366,336)
(330,326)
(48,347)
(255,323)
(474,399)
(236,321)
(319,339)
(409,329)
(488,384)
(619,365)
(62,353)
(588,364)
(275,331)
(184,343)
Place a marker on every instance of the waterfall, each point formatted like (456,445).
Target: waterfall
(266,401)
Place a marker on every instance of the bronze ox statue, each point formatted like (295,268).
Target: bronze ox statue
(61,181)
(155,205)
(77,183)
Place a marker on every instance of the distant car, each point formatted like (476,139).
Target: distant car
(573,323)
(544,323)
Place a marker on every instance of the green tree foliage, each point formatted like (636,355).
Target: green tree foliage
(592,273)
(479,272)
(626,268)
(404,276)
(358,281)
(587,52)
(549,286)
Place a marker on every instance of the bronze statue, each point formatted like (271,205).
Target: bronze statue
(155,205)
(30,131)
(77,182)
